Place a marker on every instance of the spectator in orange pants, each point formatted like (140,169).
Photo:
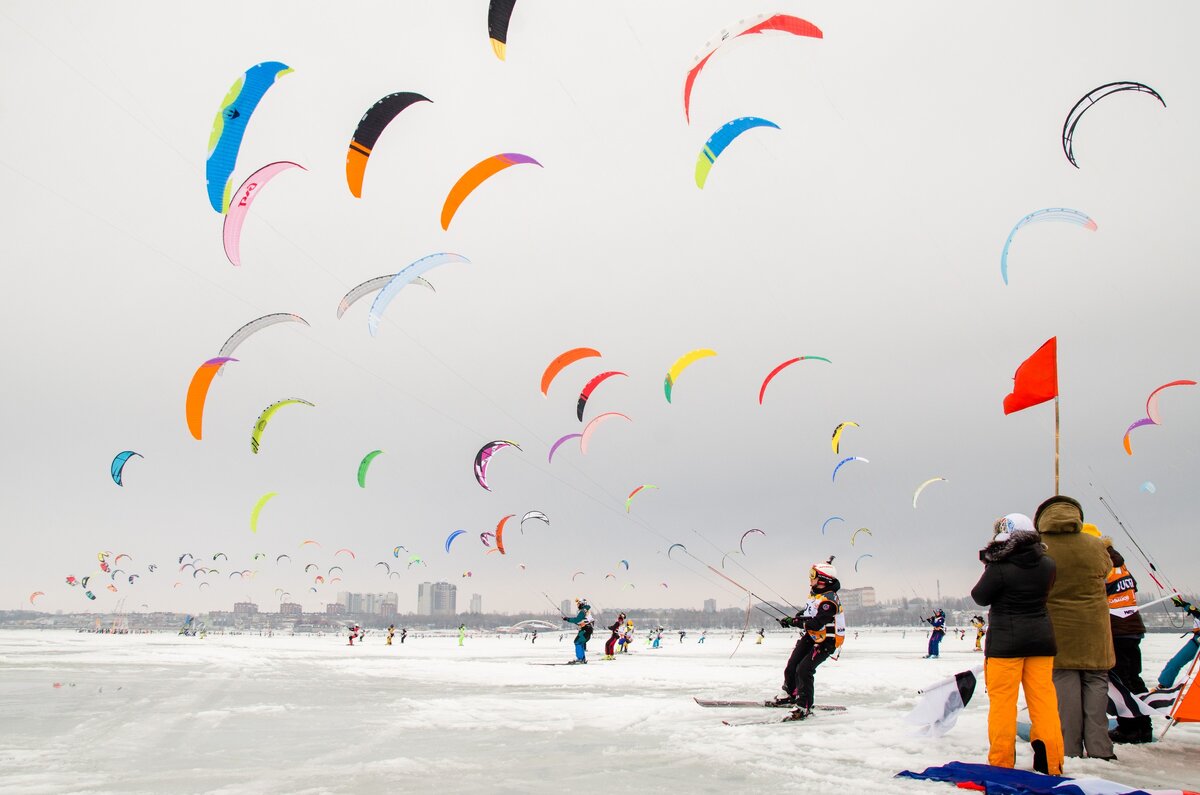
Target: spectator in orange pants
(1003,676)
(1019,645)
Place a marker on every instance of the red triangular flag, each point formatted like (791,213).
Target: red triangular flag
(1036,380)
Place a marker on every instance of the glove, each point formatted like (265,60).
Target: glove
(785,622)
(566,619)
(1179,601)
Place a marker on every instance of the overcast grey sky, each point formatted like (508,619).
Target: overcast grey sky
(867,229)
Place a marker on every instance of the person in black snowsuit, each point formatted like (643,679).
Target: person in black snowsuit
(819,621)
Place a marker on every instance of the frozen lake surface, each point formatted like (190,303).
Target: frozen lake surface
(232,714)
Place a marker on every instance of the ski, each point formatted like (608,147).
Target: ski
(769,704)
(779,718)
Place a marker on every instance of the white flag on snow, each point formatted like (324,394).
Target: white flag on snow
(937,711)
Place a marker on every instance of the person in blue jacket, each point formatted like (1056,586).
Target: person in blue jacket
(1185,655)
(583,619)
(938,621)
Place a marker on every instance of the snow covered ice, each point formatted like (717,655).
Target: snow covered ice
(233,714)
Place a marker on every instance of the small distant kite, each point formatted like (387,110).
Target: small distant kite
(364,465)
(258,506)
(197,393)
(1091,98)
(854,535)
(681,364)
(1149,487)
(260,425)
(783,23)
(845,461)
(591,387)
(475,176)
(742,541)
(921,488)
(406,276)
(554,447)
(860,560)
(538,515)
(484,457)
(500,533)
(836,441)
(253,327)
(721,139)
(372,286)
(1152,416)
(118,465)
(229,127)
(595,422)
(762,390)
(629,499)
(827,521)
(1064,214)
(499,14)
(563,360)
(370,127)
(231,231)
(450,539)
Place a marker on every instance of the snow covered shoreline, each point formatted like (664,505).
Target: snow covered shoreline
(279,714)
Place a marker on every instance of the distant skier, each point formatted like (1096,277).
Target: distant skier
(353,633)
(626,637)
(979,624)
(403,635)
(391,633)
(938,622)
(824,630)
(658,637)
(682,635)
(703,635)
(462,633)
(533,638)
(611,643)
(762,635)
(583,620)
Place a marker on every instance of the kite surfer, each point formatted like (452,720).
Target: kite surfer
(938,622)
(582,619)
(824,629)
(611,643)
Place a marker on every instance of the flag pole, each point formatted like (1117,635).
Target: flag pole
(1056,434)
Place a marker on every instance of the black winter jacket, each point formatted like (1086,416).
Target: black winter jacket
(1015,584)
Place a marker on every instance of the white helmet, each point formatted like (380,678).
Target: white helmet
(825,571)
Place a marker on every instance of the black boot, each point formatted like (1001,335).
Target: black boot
(1039,757)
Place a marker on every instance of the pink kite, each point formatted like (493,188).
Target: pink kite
(239,205)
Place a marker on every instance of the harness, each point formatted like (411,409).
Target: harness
(837,626)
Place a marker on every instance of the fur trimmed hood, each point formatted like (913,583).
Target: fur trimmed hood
(1023,543)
